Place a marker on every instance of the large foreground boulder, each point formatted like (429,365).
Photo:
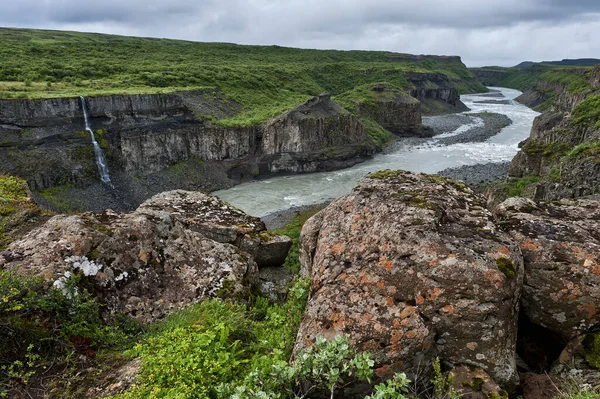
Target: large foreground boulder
(411,267)
(175,249)
(560,242)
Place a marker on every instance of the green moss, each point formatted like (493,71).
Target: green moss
(384,174)
(506,266)
(477,384)
(94,253)
(591,345)
(587,112)
(418,201)
(61,198)
(500,395)
(227,287)
(12,188)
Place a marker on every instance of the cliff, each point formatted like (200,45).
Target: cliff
(560,158)
(43,140)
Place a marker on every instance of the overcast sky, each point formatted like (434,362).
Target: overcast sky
(482,32)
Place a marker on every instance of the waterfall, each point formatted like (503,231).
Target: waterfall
(100,157)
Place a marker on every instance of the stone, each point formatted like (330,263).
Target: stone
(118,380)
(538,386)
(176,249)
(474,383)
(411,267)
(560,242)
(274,283)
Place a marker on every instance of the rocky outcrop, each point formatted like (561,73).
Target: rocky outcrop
(176,249)
(560,243)
(412,267)
(488,76)
(394,110)
(436,93)
(560,150)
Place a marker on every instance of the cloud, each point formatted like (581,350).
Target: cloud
(483,32)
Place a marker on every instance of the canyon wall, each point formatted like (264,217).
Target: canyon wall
(561,156)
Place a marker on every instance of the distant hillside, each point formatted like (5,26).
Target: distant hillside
(565,62)
(543,79)
(264,80)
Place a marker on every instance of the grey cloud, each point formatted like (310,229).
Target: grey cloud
(483,32)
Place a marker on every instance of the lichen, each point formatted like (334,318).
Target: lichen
(506,266)
(384,174)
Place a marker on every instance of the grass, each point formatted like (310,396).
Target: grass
(586,149)
(195,350)
(293,230)
(264,80)
(16,209)
(587,112)
(515,186)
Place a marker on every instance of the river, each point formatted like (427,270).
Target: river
(259,198)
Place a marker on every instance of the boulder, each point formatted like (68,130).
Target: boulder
(175,249)
(560,242)
(411,267)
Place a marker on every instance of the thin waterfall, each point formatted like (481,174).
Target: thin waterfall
(100,157)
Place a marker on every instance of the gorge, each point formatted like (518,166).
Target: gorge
(165,292)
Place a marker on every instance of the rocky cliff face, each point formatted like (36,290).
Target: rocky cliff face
(394,110)
(436,92)
(488,77)
(561,148)
(44,140)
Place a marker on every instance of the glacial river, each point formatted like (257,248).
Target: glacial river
(262,197)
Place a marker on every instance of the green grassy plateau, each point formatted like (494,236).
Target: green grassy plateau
(265,80)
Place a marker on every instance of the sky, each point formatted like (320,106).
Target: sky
(482,32)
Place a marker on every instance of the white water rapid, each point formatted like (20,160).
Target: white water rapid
(100,157)
(262,197)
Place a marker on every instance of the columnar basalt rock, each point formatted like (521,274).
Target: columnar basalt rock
(561,247)
(176,249)
(394,110)
(412,267)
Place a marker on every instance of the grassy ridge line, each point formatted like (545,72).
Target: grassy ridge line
(574,78)
(265,80)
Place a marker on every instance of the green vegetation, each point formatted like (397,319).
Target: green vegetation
(551,151)
(380,136)
(194,351)
(506,266)
(515,186)
(15,207)
(293,230)
(44,329)
(586,149)
(62,199)
(384,174)
(264,80)
(587,112)
(574,78)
